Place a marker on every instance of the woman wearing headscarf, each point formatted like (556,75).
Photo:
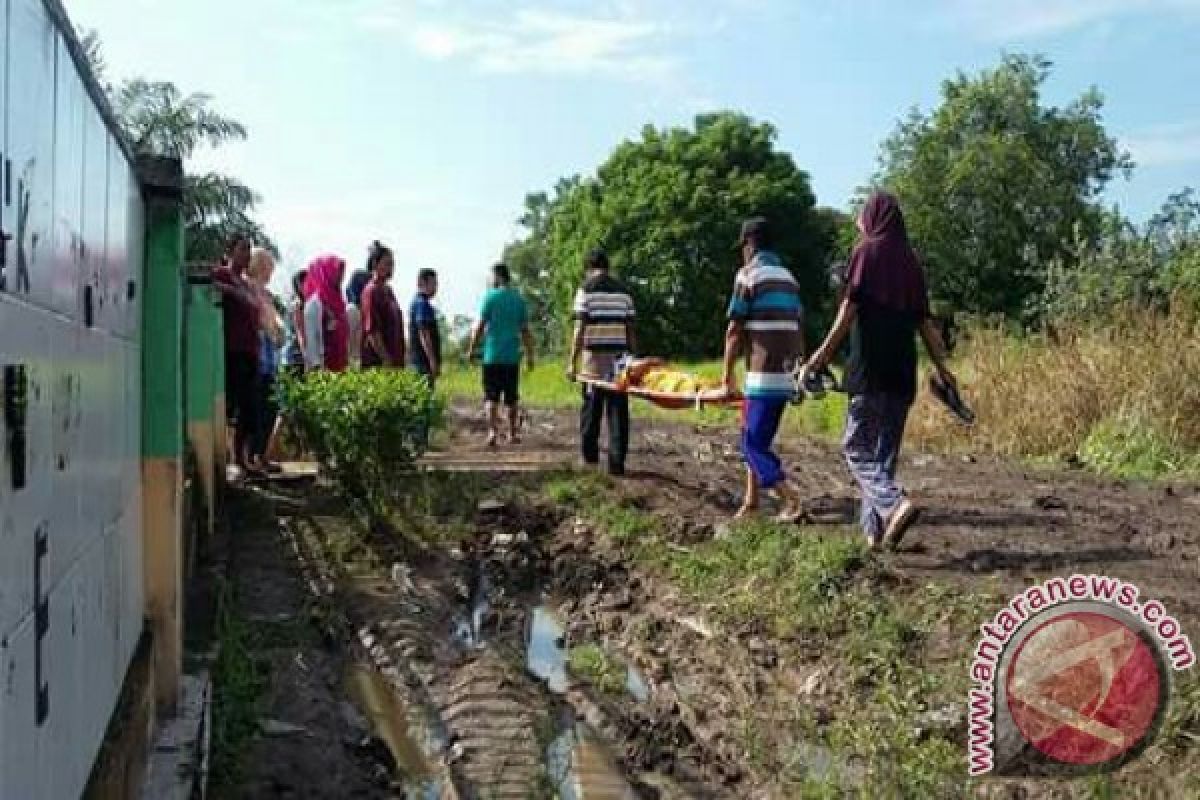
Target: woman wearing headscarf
(884,305)
(326,326)
(354,293)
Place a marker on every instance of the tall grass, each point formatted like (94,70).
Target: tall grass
(1123,397)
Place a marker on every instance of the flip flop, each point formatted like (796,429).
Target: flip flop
(951,399)
(899,523)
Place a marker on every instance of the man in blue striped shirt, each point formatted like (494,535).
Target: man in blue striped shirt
(765,321)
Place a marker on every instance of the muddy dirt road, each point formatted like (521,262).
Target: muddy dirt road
(511,647)
(983,517)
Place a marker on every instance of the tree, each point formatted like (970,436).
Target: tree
(528,259)
(997,187)
(667,209)
(158,119)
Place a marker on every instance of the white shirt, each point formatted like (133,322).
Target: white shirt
(314,333)
(354,317)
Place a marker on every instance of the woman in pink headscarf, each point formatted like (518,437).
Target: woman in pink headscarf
(326,325)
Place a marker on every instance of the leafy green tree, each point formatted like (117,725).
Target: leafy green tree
(157,118)
(528,259)
(667,208)
(996,186)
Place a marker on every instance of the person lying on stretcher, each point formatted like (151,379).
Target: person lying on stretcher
(654,374)
(654,379)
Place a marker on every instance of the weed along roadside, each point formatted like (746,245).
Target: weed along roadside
(497,630)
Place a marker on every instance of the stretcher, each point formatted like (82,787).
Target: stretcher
(652,380)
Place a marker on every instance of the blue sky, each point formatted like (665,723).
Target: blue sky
(425,122)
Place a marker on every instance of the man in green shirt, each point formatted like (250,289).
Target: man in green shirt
(504,327)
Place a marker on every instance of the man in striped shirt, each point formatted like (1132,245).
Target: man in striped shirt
(603,332)
(765,322)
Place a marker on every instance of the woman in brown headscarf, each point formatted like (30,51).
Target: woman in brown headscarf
(884,305)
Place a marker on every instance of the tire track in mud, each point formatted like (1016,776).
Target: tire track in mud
(491,727)
(481,714)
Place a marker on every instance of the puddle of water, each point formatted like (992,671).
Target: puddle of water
(581,768)
(468,629)
(635,684)
(545,657)
(390,721)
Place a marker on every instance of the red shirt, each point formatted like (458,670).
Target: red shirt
(381,315)
(242,316)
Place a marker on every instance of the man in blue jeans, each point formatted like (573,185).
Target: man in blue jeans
(765,321)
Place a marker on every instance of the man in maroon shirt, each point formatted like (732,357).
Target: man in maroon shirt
(382,321)
(243,325)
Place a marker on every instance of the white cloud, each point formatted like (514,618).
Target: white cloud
(996,20)
(1162,145)
(540,40)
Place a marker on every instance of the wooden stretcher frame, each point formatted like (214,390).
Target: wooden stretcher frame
(670,400)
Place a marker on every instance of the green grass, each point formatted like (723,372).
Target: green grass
(591,663)
(818,586)
(238,683)
(765,571)
(548,387)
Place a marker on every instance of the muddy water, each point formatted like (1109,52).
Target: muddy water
(390,721)
(546,656)
(581,768)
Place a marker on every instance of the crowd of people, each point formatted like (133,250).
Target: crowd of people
(883,307)
(320,328)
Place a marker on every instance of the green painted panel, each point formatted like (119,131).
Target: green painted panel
(205,356)
(162,332)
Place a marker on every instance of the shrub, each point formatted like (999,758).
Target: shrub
(1124,397)
(366,428)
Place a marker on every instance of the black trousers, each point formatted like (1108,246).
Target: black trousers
(268,411)
(598,403)
(242,402)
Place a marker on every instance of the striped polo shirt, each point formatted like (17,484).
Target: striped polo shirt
(766,300)
(605,309)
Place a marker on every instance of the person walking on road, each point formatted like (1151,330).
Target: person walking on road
(604,319)
(326,327)
(424,335)
(765,322)
(382,321)
(243,322)
(504,327)
(884,305)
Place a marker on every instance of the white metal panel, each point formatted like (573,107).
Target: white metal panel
(31,64)
(24,342)
(18,716)
(117,249)
(71,105)
(66,437)
(135,221)
(94,222)
(59,737)
(8,218)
